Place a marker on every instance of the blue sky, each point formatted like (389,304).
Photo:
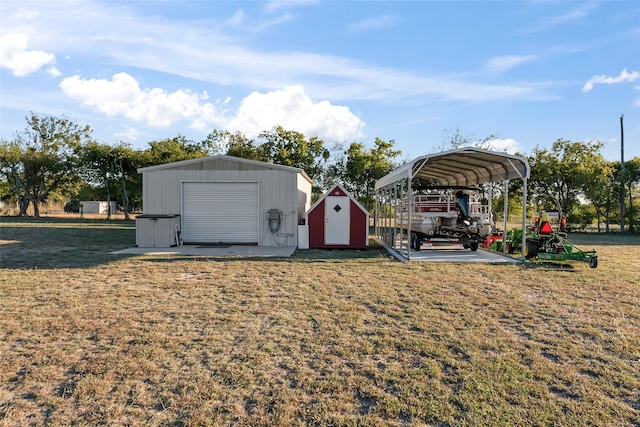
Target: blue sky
(528,72)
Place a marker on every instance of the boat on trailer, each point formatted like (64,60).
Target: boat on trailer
(457,215)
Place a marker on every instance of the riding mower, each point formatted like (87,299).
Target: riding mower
(547,243)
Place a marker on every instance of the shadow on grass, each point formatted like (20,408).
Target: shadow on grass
(373,251)
(50,243)
(47,243)
(307,255)
(53,243)
(604,239)
(553,266)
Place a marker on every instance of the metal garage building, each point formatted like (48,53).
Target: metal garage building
(467,166)
(222,200)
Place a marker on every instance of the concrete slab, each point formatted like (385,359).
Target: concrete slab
(444,251)
(462,255)
(214,251)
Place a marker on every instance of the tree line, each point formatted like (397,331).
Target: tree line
(56,159)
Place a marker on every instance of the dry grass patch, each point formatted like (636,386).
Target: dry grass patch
(313,340)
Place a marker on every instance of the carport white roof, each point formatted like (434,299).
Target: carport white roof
(461,167)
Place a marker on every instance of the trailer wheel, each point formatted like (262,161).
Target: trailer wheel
(473,246)
(593,262)
(415,241)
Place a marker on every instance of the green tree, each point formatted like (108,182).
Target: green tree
(360,167)
(563,172)
(602,190)
(291,148)
(173,150)
(454,138)
(42,158)
(6,194)
(97,167)
(631,181)
(221,141)
(126,162)
(280,146)
(12,167)
(238,145)
(110,167)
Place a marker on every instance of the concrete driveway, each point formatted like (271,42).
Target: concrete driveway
(444,251)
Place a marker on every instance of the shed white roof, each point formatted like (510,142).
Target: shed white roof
(461,167)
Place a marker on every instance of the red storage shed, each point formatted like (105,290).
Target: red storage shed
(337,220)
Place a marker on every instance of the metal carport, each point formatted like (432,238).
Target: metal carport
(465,166)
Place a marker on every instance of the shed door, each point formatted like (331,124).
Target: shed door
(337,215)
(220,212)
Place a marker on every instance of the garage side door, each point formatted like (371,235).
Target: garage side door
(220,212)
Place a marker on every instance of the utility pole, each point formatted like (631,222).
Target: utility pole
(622,174)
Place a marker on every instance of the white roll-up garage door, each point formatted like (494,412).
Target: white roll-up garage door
(220,212)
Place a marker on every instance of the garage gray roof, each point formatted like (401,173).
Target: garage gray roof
(461,167)
(222,161)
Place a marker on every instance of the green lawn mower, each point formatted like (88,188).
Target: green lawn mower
(547,243)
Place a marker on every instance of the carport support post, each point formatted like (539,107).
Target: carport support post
(505,214)
(493,229)
(409,195)
(384,216)
(395,218)
(524,216)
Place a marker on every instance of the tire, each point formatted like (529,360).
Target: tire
(593,262)
(473,246)
(509,248)
(531,249)
(415,242)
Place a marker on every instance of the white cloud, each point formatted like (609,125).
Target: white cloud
(573,15)
(26,14)
(280,4)
(211,53)
(504,63)
(130,133)
(506,145)
(282,19)
(292,109)
(54,72)
(604,79)
(376,23)
(122,96)
(15,56)
(238,18)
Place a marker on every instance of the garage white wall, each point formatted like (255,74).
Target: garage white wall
(286,190)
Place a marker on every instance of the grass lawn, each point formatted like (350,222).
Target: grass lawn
(324,338)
